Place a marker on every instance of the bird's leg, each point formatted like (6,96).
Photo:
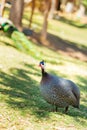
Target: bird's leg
(66,109)
(56,109)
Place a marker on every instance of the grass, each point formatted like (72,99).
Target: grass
(69,33)
(68,30)
(21,104)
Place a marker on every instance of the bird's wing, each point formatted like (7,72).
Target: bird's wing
(62,88)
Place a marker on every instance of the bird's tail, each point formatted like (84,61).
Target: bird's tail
(77,106)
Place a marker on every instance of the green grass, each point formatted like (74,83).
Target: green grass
(69,33)
(68,30)
(21,104)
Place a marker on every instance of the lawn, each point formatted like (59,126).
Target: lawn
(21,104)
(70,31)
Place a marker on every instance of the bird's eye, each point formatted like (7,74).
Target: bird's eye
(42,63)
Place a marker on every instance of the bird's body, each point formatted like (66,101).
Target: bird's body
(59,91)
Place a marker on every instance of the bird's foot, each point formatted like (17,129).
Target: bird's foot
(66,109)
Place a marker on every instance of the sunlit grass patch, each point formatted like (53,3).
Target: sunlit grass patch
(21,104)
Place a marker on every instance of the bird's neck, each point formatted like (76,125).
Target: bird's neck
(43,72)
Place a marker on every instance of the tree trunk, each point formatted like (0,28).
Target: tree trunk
(16,12)
(53,8)
(32,12)
(45,22)
(2,7)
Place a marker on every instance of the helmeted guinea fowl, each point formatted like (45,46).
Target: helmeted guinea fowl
(59,91)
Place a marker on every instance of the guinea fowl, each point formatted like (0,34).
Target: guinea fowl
(58,91)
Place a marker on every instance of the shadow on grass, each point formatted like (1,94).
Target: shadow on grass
(23,91)
(6,40)
(73,23)
(24,95)
(58,44)
(63,45)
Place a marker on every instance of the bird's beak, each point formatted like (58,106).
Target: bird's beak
(39,65)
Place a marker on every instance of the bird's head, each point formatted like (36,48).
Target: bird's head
(42,64)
